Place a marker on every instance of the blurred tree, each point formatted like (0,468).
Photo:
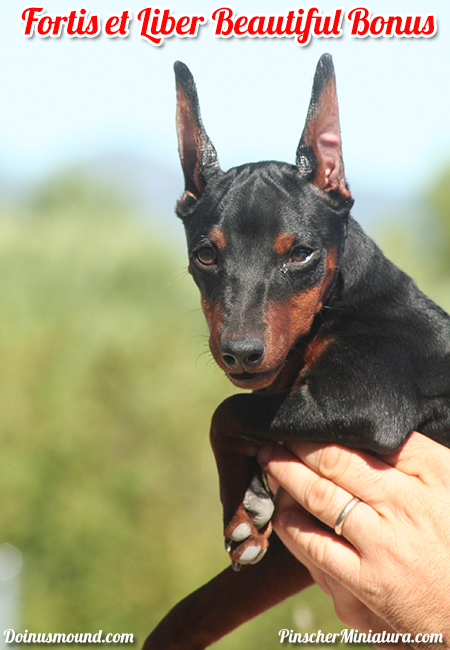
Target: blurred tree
(416,236)
(107,482)
(439,199)
(74,193)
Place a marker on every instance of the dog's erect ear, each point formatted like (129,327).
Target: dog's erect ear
(197,154)
(319,153)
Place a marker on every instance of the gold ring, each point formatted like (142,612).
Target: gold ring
(345,511)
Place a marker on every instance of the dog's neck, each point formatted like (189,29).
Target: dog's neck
(362,272)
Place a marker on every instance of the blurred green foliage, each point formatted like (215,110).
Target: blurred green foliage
(107,483)
(439,197)
(416,237)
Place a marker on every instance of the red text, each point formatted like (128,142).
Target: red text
(301,23)
(158,24)
(77,23)
(364,24)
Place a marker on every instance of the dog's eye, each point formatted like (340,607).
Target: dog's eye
(300,254)
(206,256)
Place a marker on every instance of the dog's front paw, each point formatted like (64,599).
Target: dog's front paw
(247,533)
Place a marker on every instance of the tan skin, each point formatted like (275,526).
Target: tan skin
(390,570)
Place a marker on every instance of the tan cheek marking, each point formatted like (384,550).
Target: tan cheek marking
(218,238)
(330,269)
(283,243)
(214,318)
(301,310)
(277,333)
(290,320)
(315,349)
(305,306)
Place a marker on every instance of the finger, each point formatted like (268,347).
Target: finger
(349,609)
(423,458)
(285,501)
(333,564)
(371,479)
(318,548)
(339,584)
(273,485)
(321,497)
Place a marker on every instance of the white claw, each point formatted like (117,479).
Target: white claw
(260,556)
(250,554)
(241,532)
(261,508)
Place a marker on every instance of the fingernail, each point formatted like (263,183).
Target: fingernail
(265,453)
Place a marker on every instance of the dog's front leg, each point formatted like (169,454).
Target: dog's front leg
(229,600)
(247,505)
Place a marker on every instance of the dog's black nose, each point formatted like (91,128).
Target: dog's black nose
(243,354)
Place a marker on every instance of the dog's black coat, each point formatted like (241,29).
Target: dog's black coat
(388,370)
(338,343)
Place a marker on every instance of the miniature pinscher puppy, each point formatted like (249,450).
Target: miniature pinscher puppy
(336,343)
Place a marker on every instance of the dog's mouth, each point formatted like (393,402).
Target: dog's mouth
(254,380)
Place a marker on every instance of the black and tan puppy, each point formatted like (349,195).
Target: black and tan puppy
(303,308)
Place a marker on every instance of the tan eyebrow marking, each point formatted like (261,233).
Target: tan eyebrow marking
(217,237)
(283,243)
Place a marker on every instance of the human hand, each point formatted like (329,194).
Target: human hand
(391,568)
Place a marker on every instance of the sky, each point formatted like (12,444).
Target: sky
(65,100)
